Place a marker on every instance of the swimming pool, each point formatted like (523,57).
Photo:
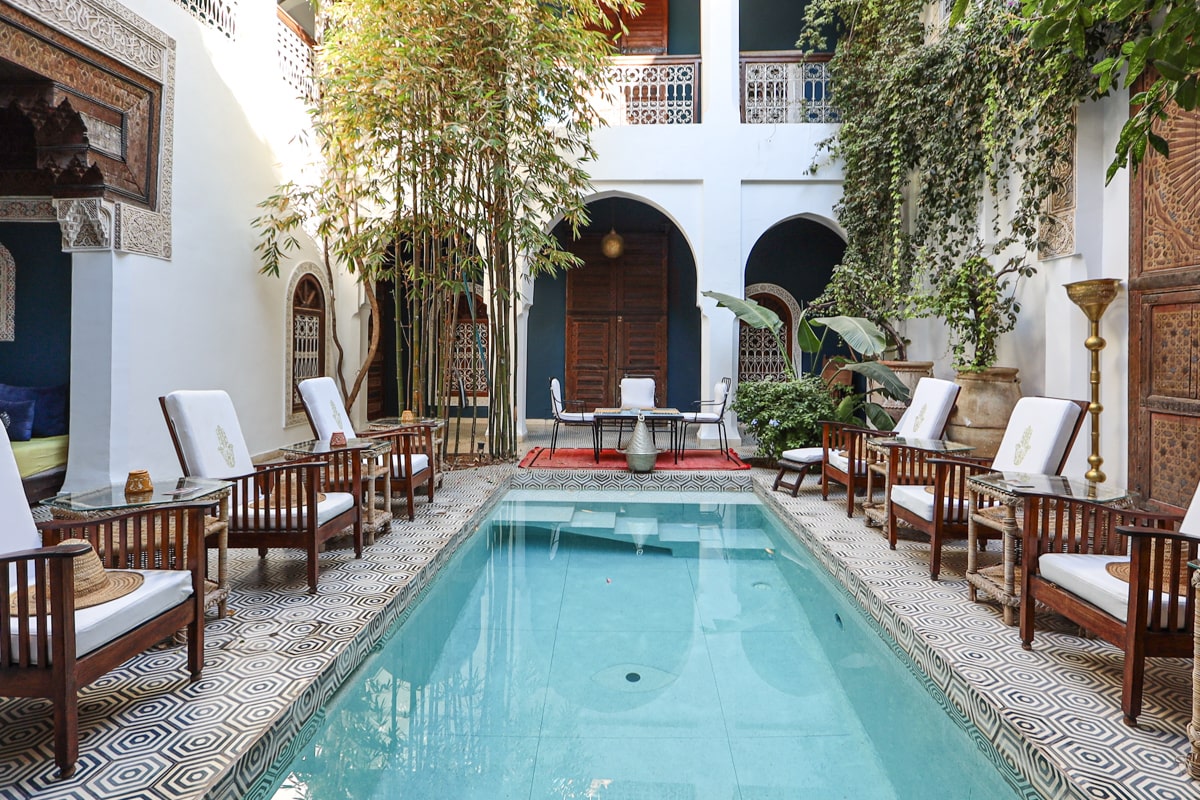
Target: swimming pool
(586,646)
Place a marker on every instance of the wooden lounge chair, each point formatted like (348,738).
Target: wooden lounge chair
(272,506)
(412,463)
(928,492)
(843,452)
(1120,573)
(51,649)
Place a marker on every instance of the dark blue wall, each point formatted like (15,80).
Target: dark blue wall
(41,353)
(548,319)
(798,255)
(771,24)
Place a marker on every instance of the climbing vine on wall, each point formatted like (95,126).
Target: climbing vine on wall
(951,143)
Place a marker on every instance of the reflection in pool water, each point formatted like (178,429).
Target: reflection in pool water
(681,648)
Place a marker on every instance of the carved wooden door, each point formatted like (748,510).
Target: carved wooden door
(616,319)
(1164,325)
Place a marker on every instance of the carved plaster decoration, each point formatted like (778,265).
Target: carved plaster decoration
(27,209)
(1057,229)
(117,32)
(87,224)
(291,417)
(8,295)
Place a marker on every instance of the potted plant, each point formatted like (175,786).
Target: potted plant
(787,414)
(978,306)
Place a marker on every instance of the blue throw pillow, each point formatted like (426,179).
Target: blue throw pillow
(20,419)
(50,406)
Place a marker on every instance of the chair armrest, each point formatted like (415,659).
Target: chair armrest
(154,537)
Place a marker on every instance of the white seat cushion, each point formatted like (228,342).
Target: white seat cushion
(575,416)
(209,434)
(334,503)
(420,462)
(637,393)
(325,408)
(1087,577)
(927,412)
(920,502)
(1037,435)
(703,416)
(98,625)
(17,529)
(839,461)
(804,455)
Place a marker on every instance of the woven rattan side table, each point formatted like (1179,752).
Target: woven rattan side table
(995,501)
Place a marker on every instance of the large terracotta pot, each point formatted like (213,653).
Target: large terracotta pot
(909,372)
(984,406)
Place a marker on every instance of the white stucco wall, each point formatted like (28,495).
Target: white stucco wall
(204,319)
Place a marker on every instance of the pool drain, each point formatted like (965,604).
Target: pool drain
(633,677)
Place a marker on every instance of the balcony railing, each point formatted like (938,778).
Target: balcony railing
(295,48)
(786,88)
(653,90)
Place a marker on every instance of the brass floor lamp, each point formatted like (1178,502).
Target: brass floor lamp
(1094,296)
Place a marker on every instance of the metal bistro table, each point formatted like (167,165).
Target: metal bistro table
(375,451)
(107,501)
(1006,490)
(879,450)
(655,417)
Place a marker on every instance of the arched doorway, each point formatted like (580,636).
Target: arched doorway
(634,313)
(788,267)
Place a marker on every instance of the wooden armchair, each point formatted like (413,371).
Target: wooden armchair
(844,457)
(412,462)
(928,492)
(51,649)
(271,506)
(1120,573)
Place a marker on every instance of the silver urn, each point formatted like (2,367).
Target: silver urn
(641,454)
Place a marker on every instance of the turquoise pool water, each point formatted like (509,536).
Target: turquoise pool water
(587,646)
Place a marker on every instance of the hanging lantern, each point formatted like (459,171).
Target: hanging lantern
(612,245)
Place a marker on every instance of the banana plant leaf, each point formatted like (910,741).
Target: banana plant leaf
(879,417)
(748,311)
(862,335)
(806,338)
(888,381)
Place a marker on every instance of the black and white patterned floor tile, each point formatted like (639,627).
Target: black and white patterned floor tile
(1051,715)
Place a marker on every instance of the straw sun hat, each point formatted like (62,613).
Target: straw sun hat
(93,583)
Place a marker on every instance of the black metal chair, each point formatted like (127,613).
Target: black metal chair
(564,417)
(716,417)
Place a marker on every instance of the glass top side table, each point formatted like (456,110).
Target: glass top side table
(112,499)
(995,500)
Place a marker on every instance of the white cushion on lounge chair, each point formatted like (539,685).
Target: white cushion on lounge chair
(325,407)
(1037,435)
(804,455)
(420,462)
(98,625)
(839,461)
(920,502)
(927,412)
(17,529)
(334,503)
(209,434)
(1086,576)
(637,393)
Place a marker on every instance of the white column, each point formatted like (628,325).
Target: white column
(102,347)
(719,268)
(719,104)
